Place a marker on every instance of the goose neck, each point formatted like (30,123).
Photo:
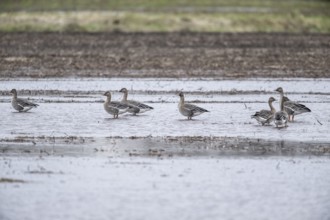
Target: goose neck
(108,100)
(181,100)
(281,101)
(125,96)
(272,109)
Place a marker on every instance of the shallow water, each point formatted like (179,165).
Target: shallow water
(63,113)
(290,85)
(224,120)
(140,188)
(69,159)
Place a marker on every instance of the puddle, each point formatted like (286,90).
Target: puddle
(138,188)
(150,85)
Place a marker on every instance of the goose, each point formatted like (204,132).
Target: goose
(294,108)
(189,110)
(281,117)
(138,107)
(265,116)
(114,108)
(21,105)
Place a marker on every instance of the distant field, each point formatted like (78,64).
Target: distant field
(194,5)
(163,16)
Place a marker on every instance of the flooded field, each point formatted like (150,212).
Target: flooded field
(102,187)
(69,159)
(71,110)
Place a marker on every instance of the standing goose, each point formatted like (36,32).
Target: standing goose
(294,108)
(281,117)
(189,110)
(114,108)
(266,116)
(21,105)
(139,107)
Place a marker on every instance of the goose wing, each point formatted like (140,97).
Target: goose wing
(133,108)
(139,104)
(295,107)
(118,105)
(279,116)
(266,114)
(25,103)
(194,108)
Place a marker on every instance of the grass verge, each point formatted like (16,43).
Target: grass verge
(130,21)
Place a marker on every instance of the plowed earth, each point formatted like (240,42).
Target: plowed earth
(164,55)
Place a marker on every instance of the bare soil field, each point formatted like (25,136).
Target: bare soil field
(164,55)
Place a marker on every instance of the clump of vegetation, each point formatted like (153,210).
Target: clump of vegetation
(10,180)
(165,16)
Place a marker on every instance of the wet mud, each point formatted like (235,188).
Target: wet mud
(159,147)
(164,55)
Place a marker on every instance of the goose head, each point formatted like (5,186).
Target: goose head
(285,99)
(123,90)
(272,99)
(279,89)
(181,94)
(108,94)
(13,92)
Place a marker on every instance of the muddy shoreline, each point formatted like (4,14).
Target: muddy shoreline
(176,146)
(139,55)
